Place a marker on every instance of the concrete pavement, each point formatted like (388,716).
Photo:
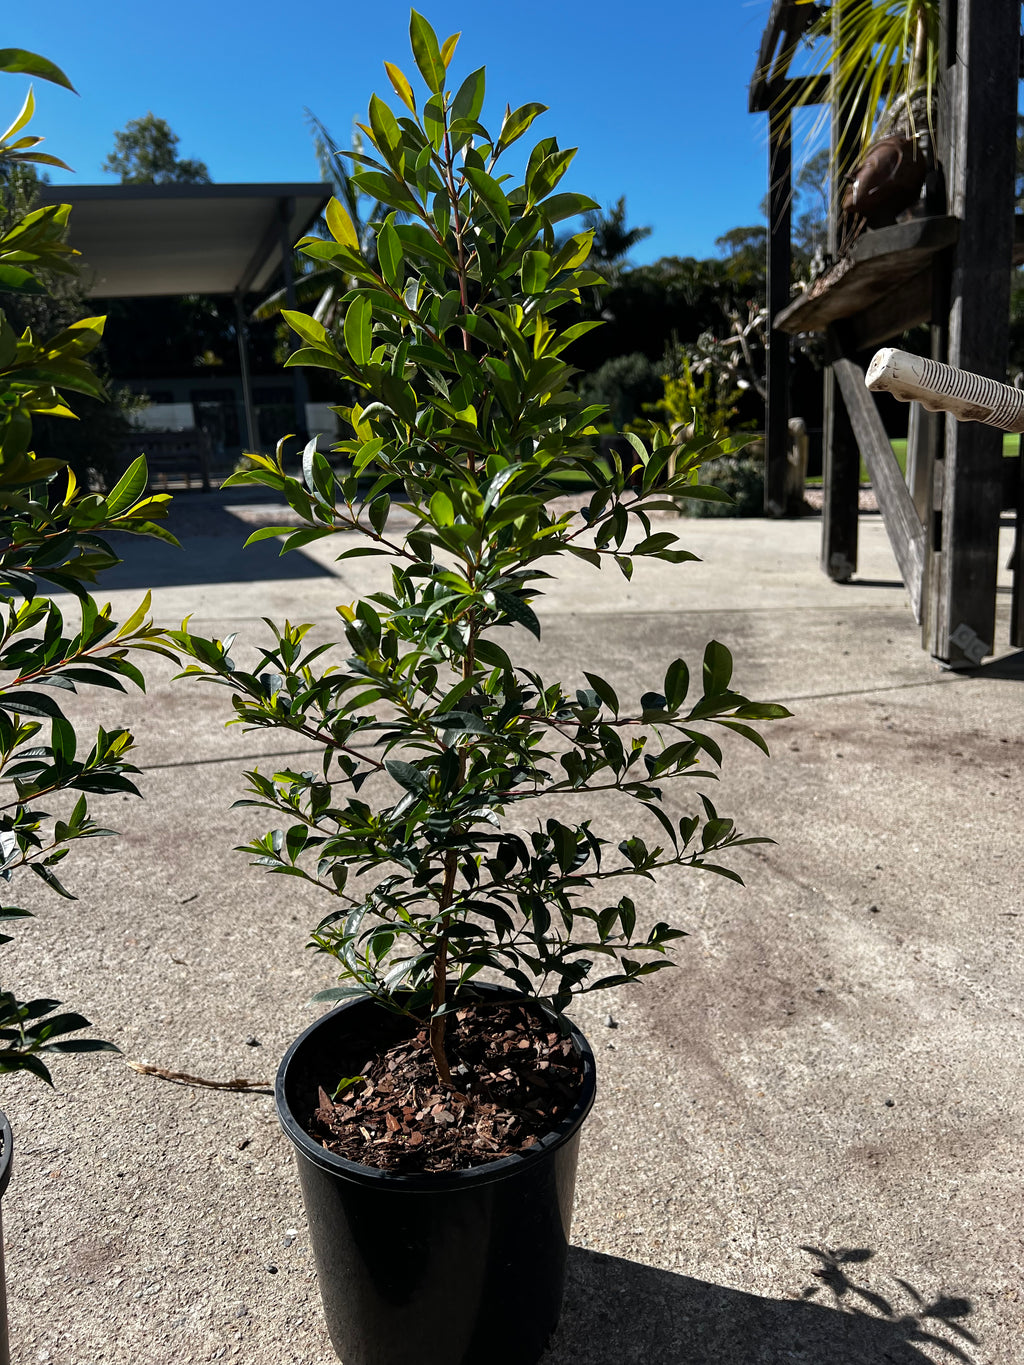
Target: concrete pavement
(834,1066)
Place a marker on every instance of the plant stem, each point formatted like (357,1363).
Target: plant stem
(438,1021)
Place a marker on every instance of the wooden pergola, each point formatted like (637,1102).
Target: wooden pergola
(948,267)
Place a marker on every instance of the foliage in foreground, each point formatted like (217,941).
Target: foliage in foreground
(52,537)
(466,420)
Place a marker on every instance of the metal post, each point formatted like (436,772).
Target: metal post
(300,389)
(251,427)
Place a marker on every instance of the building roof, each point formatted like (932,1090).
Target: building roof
(143,240)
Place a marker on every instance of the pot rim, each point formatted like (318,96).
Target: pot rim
(433,1182)
(6,1156)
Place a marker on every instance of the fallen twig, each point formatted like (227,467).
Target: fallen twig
(183,1078)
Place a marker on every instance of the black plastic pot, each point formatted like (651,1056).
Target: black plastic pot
(7,1152)
(460,1268)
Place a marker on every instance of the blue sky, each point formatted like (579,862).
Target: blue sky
(653,93)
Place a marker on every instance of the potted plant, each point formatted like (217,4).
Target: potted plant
(435,1118)
(52,536)
(883,57)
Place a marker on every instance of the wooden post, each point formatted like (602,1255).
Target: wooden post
(841,477)
(841,458)
(780,199)
(1017,559)
(920,445)
(980,101)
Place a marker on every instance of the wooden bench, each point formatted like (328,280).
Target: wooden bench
(181,453)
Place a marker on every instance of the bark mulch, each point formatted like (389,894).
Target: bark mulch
(516,1077)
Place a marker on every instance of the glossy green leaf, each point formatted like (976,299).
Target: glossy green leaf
(390,256)
(340,225)
(401,85)
(18,61)
(536,271)
(717,668)
(358,331)
(490,194)
(16,280)
(129,488)
(517,122)
(469,99)
(518,610)
(426,51)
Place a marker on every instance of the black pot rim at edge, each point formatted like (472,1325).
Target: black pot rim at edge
(428,1182)
(6,1153)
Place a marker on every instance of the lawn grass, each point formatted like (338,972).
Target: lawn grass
(1011,447)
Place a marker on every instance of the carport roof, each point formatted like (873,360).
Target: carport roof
(144,240)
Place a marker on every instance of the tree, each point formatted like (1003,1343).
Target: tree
(744,250)
(613,240)
(52,540)
(461,299)
(146,153)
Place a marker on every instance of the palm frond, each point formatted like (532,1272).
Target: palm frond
(885,53)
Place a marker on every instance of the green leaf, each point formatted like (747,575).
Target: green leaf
(386,131)
(389,253)
(129,487)
(493,655)
(469,99)
(334,994)
(717,668)
(15,280)
(401,85)
(340,226)
(547,175)
(491,194)
(427,52)
(536,270)
(346,1081)
(407,776)
(560,206)
(518,610)
(677,684)
(442,513)
(604,691)
(516,123)
(18,61)
(311,331)
(358,330)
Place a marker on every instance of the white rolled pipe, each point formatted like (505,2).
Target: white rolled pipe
(941,388)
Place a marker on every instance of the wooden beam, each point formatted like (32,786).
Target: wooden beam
(840,457)
(893,314)
(780,200)
(980,93)
(875,269)
(787,22)
(902,523)
(787,92)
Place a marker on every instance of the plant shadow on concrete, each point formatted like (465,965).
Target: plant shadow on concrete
(620,1313)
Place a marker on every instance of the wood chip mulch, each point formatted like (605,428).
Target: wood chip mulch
(516,1078)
